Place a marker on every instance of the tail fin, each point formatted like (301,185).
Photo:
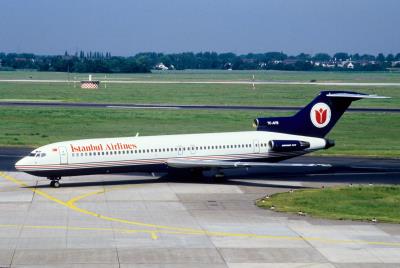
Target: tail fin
(317,118)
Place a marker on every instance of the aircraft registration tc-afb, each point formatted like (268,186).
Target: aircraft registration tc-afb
(276,139)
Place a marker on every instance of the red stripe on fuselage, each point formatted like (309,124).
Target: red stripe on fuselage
(149,161)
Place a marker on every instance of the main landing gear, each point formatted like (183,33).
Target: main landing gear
(54,181)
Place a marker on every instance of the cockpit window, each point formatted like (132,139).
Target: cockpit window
(42,155)
(32,154)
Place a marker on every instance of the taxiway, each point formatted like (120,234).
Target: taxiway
(172,106)
(130,220)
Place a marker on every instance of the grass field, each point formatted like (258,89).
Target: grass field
(220,75)
(352,203)
(263,95)
(372,134)
(356,134)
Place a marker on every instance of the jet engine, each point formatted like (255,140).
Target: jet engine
(288,145)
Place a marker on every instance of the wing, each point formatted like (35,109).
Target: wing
(185,163)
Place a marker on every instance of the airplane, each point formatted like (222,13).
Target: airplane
(275,139)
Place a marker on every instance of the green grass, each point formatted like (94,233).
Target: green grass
(366,134)
(263,95)
(190,75)
(351,203)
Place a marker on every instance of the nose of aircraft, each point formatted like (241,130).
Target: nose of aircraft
(20,163)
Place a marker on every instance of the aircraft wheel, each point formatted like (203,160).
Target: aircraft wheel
(56,184)
(52,183)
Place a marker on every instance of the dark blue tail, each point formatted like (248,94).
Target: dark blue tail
(317,118)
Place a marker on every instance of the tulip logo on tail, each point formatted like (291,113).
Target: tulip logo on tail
(320,115)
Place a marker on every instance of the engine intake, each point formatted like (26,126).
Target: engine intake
(288,145)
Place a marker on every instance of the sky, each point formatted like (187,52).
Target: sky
(126,27)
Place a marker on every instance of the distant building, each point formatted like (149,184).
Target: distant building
(290,61)
(161,66)
(349,65)
(394,63)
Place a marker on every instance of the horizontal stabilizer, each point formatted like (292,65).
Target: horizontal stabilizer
(355,96)
(184,163)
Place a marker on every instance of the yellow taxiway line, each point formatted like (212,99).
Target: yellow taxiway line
(71,204)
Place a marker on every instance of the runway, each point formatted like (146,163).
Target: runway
(172,106)
(233,82)
(137,220)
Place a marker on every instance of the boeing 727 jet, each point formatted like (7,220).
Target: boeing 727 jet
(275,139)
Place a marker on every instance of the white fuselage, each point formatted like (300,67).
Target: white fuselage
(150,153)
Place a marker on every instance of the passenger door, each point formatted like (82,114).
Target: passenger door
(63,155)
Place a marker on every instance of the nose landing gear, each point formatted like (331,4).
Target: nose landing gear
(54,181)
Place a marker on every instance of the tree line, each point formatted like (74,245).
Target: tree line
(98,62)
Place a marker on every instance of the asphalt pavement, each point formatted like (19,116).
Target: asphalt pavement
(172,106)
(343,170)
(139,220)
